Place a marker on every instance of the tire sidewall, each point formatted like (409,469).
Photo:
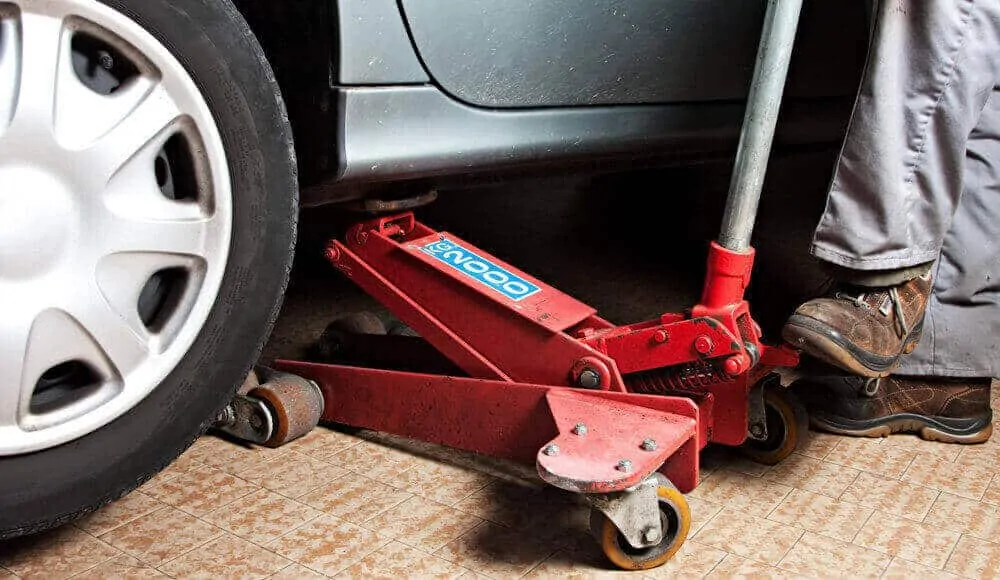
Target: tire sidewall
(214,44)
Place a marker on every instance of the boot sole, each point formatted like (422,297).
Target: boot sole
(927,428)
(826,344)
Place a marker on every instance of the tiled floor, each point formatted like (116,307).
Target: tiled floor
(372,506)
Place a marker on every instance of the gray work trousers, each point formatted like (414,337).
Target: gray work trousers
(918,178)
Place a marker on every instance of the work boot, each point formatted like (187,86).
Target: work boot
(936,409)
(862,330)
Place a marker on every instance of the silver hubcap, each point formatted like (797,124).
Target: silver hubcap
(115,218)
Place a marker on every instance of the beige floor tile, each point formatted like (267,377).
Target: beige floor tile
(821,514)
(497,551)
(918,542)
(201,490)
(296,572)
(694,559)
(577,563)
(323,442)
(182,464)
(890,495)
(871,455)
(900,569)
(818,556)
(379,462)
(443,483)
(262,516)
(813,475)
(328,545)
(964,479)
(161,535)
(396,560)
(123,511)
(517,504)
(942,451)
(986,455)
(753,495)
(354,498)
(735,567)
(992,493)
(226,557)
(744,535)
(965,516)
(702,511)
(422,523)
(230,457)
(59,553)
(293,474)
(975,558)
(123,567)
(818,445)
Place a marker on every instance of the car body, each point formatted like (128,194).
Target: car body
(383,91)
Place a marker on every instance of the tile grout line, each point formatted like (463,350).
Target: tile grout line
(952,552)
(865,524)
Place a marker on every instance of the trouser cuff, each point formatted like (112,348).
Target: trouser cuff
(876,278)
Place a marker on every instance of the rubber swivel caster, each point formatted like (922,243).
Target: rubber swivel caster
(675,523)
(787,427)
(296,405)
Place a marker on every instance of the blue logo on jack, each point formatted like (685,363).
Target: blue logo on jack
(480,269)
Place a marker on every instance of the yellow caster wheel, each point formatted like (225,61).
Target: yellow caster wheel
(787,427)
(675,521)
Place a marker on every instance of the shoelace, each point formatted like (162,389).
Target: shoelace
(891,303)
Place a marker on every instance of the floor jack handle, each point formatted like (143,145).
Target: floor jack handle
(763,104)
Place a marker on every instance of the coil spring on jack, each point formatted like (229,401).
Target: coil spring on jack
(683,378)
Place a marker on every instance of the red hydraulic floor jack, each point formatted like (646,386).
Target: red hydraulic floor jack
(618,413)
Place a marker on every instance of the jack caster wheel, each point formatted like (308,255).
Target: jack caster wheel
(787,427)
(296,402)
(337,335)
(675,520)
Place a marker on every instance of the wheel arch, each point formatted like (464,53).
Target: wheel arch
(299,40)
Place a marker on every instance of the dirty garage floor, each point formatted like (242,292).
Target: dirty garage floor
(369,505)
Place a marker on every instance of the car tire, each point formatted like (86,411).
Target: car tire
(43,488)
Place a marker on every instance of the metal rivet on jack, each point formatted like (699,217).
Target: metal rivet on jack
(624,465)
(552,449)
(580,429)
(649,444)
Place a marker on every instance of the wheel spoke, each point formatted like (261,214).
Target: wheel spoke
(9,60)
(163,237)
(115,346)
(133,127)
(16,381)
(43,50)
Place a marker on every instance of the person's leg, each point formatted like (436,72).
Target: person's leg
(941,391)
(932,66)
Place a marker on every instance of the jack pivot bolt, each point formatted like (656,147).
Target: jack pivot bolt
(580,429)
(648,444)
(589,379)
(703,345)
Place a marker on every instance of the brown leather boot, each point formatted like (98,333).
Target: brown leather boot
(862,330)
(936,409)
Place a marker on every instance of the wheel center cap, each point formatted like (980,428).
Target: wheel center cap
(36,221)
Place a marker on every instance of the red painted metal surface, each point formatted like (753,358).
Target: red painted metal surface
(500,419)
(597,435)
(682,379)
(485,334)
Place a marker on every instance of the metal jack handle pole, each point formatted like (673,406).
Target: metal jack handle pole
(766,90)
